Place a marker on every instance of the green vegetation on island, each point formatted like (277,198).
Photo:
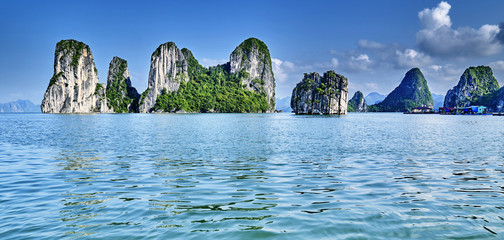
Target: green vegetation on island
(477,86)
(357,103)
(121,97)
(211,89)
(412,92)
(73,47)
(217,88)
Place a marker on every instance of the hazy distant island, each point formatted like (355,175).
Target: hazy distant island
(176,83)
(19,106)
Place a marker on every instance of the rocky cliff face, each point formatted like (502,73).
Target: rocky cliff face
(357,103)
(168,69)
(177,82)
(74,87)
(121,96)
(493,101)
(472,86)
(321,95)
(411,92)
(251,59)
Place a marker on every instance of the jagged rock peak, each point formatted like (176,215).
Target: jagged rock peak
(74,87)
(251,59)
(411,92)
(321,95)
(121,96)
(168,69)
(472,86)
(357,103)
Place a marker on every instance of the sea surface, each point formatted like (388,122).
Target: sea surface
(251,176)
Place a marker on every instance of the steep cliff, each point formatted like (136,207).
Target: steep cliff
(411,92)
(121,96)
(245,84)
(472,86)
(321,95)
(168,69)
(357,103)
(74,87)
(252,58)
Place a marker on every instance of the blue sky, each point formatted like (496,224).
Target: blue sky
(373,43)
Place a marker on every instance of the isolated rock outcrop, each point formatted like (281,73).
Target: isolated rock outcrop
(168,69)
(475,83)
(357,103)
(121,96)
(74,87)
(321,95)
(412,92)
(252,58)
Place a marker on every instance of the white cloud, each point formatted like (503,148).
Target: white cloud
(362,62)
(497,65)
(367,44)
(335,62)
(362,58)
(435,67)
(372,86)
(212,62)
(437,38)
(412,58)
(445,73)
(281,69)
(437,17)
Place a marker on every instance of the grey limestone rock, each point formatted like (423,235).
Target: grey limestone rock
(121,96)
(357,103)
(168,69)
(317,94)
(472,86)
(252,59)
(74,87)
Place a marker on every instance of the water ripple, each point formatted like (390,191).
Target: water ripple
(242,176)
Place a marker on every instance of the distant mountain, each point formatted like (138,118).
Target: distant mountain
(438,100)
(19,106)
(412,92)
(283,104)
(374,98)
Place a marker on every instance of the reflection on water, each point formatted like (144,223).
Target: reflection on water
(241,176)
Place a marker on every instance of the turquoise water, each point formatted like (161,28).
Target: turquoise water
(245,176)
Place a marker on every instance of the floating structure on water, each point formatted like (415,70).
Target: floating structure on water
(421,110)
(471,110)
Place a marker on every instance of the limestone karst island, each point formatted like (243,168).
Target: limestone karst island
(177,83)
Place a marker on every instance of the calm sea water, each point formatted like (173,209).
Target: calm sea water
(245,176)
